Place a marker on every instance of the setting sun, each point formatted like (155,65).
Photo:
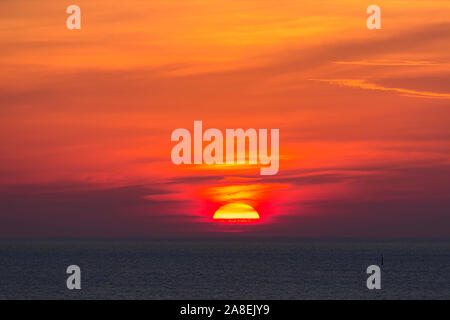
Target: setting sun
(236,212)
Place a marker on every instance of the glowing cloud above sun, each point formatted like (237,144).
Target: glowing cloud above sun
(236,212)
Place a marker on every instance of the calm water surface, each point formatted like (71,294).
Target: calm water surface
(224,269)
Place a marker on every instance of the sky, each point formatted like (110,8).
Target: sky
(86,117)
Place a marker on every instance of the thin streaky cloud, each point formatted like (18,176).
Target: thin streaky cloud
(385,62)
(363,84)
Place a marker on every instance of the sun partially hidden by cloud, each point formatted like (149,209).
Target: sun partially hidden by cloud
(236,212)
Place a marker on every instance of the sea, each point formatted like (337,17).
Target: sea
(226,269)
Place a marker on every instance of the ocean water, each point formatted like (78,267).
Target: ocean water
(224,269)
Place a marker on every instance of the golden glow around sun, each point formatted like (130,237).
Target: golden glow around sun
(236,212)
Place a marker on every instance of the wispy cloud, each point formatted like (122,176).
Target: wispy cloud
(387,62)
(363,84)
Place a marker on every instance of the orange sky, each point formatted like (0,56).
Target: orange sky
(87,114)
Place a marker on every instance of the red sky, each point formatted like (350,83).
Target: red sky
(86,117)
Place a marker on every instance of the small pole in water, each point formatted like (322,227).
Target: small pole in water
(382,259)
